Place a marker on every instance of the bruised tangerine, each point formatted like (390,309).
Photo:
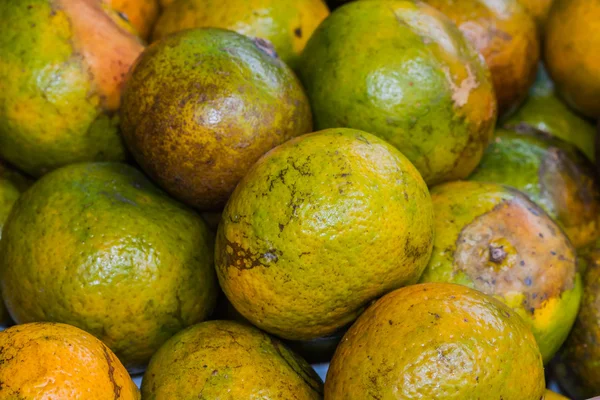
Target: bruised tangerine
(552,173)
(494,239)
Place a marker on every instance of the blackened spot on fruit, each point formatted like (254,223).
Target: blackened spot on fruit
(123,16)
(497,254)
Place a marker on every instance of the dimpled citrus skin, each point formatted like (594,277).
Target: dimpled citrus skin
(577,367)
(507,37)
(571,53)
(140,13)
(437,341)
(494,239)
(320,226)
(550,395)
(61,70)
(228,360)
(545,111)
(414,81)
(552,173)
(99,247)
(203,105)
(287,24)
(45,361)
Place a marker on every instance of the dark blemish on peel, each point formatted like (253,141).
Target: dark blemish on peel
(298,32)
(123,16)
(497,254)
(111,374)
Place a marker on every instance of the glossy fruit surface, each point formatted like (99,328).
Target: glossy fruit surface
(99,247)
(437,341)
(61,72)
(414,81)
(203,105)
(57,361)
(318,228)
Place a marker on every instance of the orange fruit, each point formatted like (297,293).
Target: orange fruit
(507,37)
(437,341)
(201,106)
(402,71)
(571,53)
(98,246)
(318,228)
(62,68)
(227,360)
(46,361)
(287,24)
(141,14)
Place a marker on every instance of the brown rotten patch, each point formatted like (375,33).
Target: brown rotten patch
(516,248)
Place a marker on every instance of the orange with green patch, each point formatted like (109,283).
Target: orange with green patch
(62,68)
(203,105)
(553,173)
(414,81)
(494,239)
(57,361)
(437,341)
(287,24)
(506,35)
(228,360)
(98,246)
(318,228)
